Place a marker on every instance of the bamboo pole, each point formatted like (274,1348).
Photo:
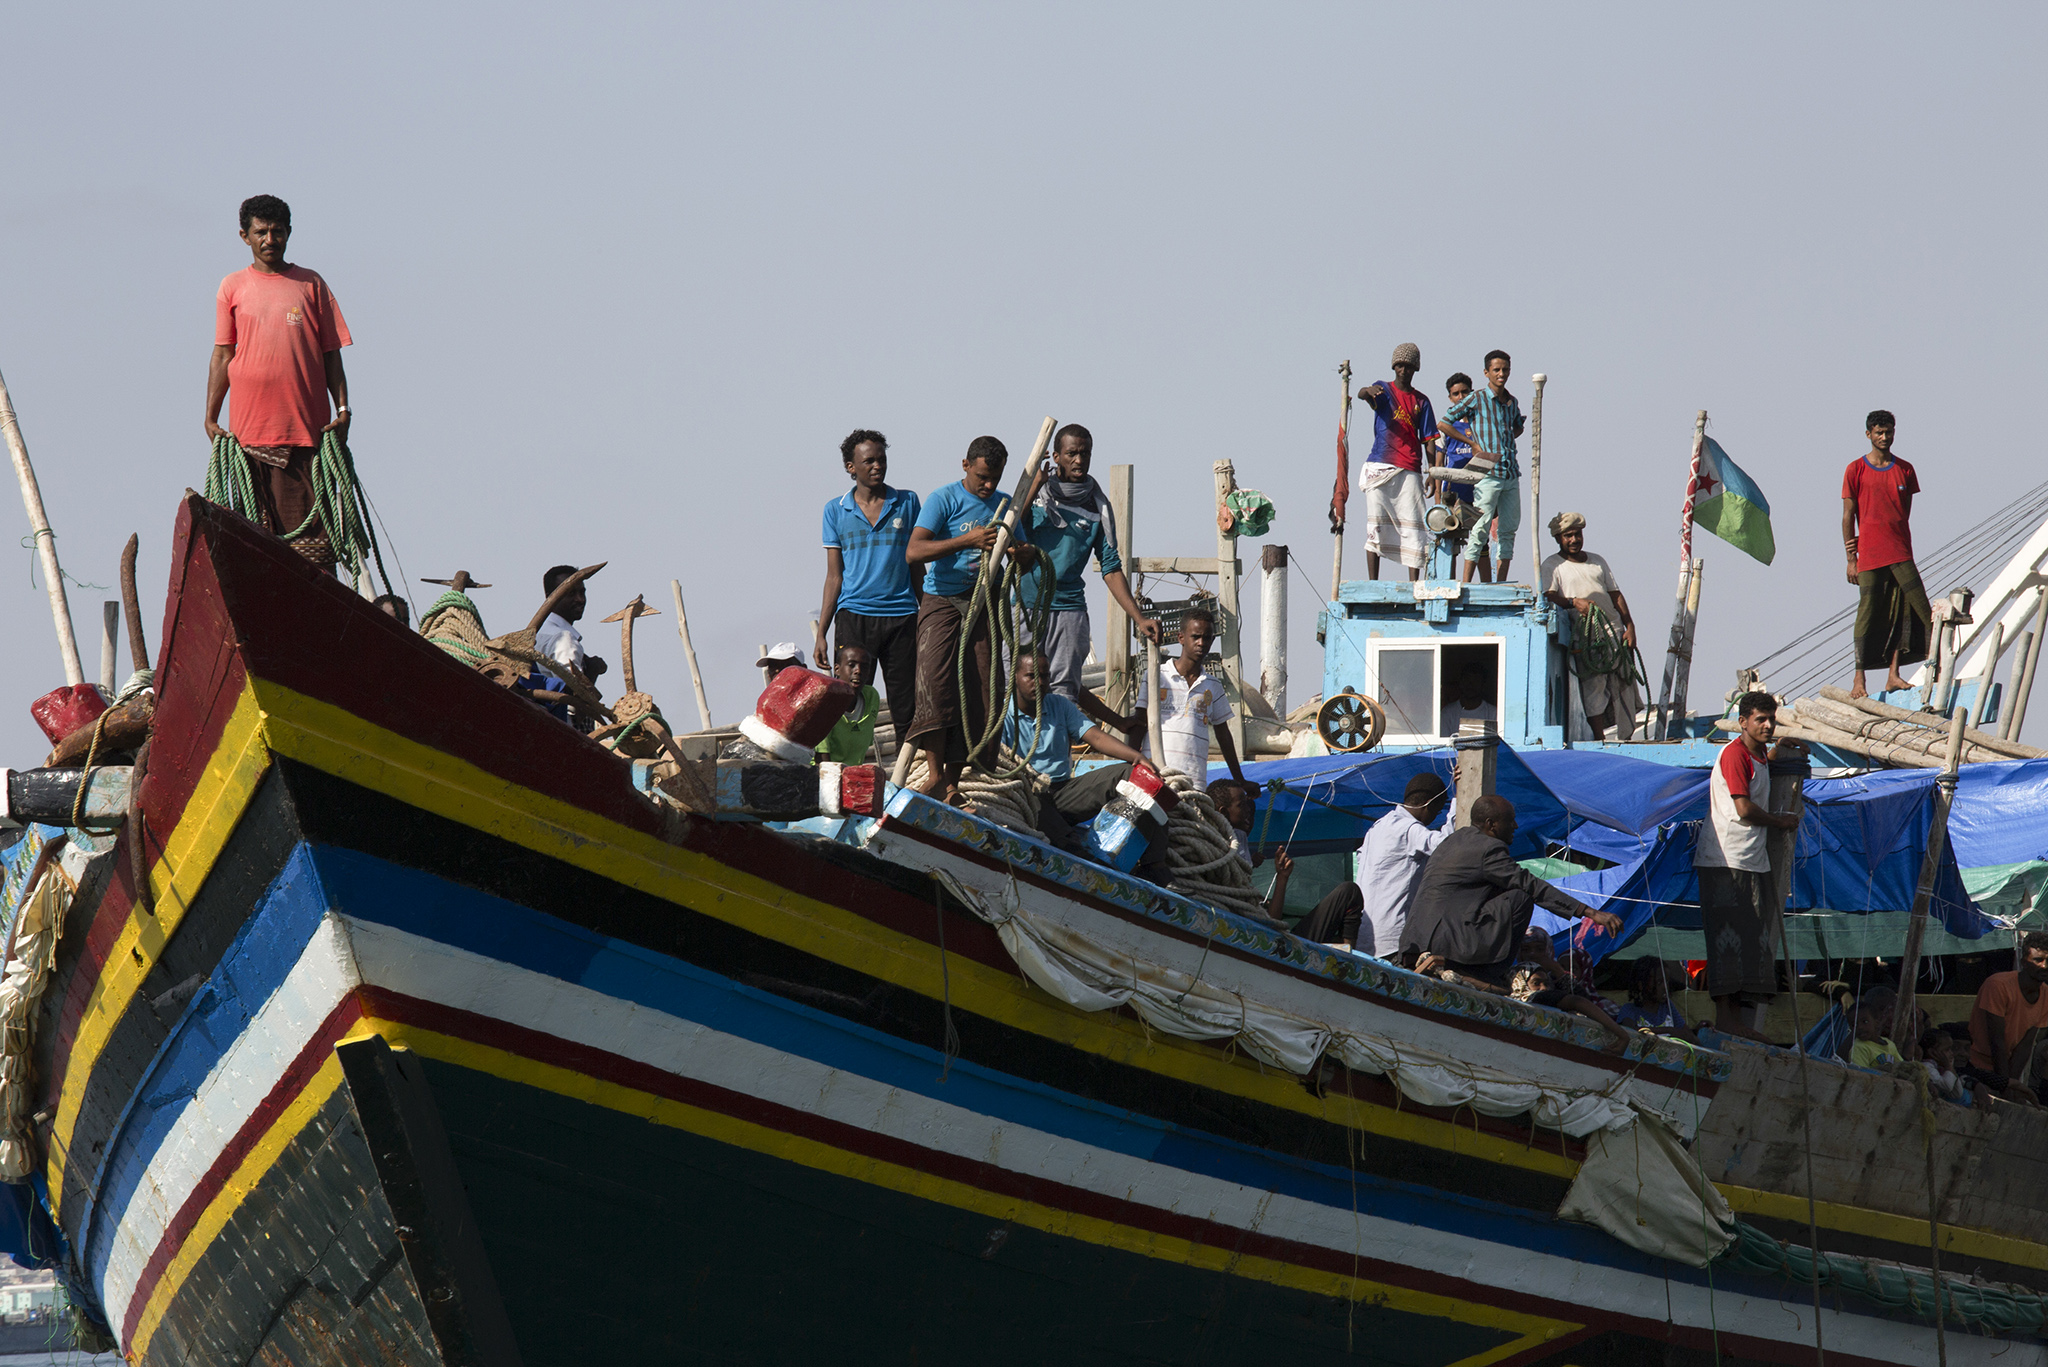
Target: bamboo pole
(1536,467)
(2016,715)
(1155,729)
(1981,739)
(1924,740)
(675,586)
(1930,868)
(1344,468)
(46,540)
(1118,687)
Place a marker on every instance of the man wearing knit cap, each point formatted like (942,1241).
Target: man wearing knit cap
(1583,584)
(1391,477)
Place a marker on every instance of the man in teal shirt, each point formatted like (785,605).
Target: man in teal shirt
(1050,736)
(1071,521)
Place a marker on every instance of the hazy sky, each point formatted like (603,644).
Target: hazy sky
(620,279)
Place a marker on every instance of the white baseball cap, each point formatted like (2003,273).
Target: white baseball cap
(782,650)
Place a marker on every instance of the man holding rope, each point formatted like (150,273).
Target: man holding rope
(954,528)
(1583,584)
(277,340)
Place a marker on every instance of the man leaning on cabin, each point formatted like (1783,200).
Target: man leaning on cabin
(1893,619)
(277,340)
(1737,916)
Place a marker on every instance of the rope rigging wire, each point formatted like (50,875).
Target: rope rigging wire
(340,507)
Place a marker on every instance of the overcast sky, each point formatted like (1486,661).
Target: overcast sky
(620,279)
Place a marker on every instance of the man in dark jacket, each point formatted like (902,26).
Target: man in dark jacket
(1473,905)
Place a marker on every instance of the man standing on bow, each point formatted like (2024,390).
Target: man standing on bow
(1391,478)
(1071,521)
(277,340)
(1893,619)
(1583,584)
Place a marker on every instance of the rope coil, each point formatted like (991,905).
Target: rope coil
(341,509)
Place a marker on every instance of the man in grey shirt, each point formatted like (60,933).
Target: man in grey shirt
(1474,902)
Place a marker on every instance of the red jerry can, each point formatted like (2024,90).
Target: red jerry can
(64,710)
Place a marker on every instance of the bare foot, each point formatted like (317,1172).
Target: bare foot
(1857,690)
(1895,684)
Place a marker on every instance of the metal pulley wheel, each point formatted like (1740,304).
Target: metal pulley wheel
(1350,721)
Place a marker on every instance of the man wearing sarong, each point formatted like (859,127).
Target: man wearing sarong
(1391,477)
(955,527)
(1738,917)
(1497,421)
(1583,583)
(277,340)
(1070,521)
(1893,620)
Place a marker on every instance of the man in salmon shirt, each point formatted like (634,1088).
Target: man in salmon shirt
(277,336)
(1893,619)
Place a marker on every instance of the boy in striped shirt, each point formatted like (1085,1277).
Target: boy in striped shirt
(1496,418)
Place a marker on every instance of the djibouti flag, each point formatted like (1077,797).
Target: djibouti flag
(1727,503)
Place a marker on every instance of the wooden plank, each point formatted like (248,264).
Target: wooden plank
(1230,634)
(1116,681)
(1182,564)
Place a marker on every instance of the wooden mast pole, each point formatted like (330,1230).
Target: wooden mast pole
(1930,869)
(675,586)
(46,540)
(1343,473)
(1536,470)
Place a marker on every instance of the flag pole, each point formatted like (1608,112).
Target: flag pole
(1678,652)
(1343,489)
(1536,467)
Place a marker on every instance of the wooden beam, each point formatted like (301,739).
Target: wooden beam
(1226,593)
(1116,663)
(1184,564)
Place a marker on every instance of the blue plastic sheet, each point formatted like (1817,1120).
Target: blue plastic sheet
(1860,848)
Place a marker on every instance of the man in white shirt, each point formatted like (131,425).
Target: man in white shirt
(1191,704)
(1583,583)
(1468,700)
(557,638)
(1391,861)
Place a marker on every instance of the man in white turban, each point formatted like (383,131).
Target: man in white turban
(1583,584)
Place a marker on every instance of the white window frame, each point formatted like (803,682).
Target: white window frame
(1409,644)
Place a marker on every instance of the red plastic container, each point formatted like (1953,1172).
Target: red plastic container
(64,710)
(802,705)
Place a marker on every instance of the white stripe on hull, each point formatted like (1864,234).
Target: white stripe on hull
(432,971)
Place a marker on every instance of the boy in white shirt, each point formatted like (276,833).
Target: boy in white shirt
(1191,703)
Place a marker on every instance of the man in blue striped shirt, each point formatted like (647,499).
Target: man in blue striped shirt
(1496,418)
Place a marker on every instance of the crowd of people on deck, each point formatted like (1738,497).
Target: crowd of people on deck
(900,571)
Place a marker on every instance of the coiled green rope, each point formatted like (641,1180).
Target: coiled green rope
(340,506)
(1599,647)
(998,592)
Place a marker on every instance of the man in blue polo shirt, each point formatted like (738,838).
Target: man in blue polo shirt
(956,527)
(870,601)
(1060,725)
(1071,521)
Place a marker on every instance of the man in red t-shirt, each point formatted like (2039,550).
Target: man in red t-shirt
(1893,619)
(277,341)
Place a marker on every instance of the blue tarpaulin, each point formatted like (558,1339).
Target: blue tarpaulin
(1859,849)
